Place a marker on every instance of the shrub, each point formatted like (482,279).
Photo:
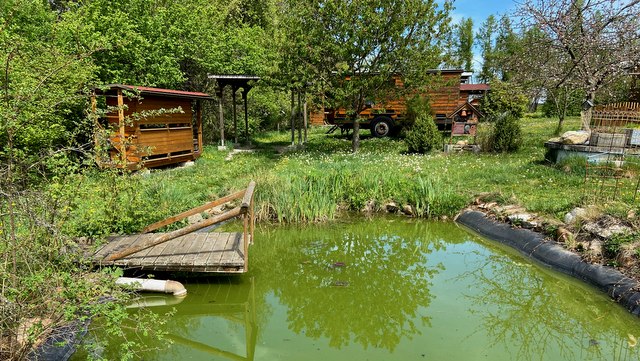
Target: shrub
(423,135)
(504,98)
(507,134)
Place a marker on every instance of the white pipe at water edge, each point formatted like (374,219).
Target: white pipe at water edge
(140,284)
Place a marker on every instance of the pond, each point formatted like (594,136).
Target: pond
(391,289)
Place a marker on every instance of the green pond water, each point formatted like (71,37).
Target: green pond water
(390,289)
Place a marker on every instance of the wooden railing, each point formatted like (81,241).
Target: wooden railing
(245,210)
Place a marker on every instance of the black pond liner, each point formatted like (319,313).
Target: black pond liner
(622,289)
(62,342)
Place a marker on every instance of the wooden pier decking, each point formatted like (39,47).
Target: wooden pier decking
(185,249)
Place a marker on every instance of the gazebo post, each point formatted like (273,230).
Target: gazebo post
(220,93)
(199,120)
(245,90)
(234,88)
(304,115)
(123,147)
(299,118)
(293,114)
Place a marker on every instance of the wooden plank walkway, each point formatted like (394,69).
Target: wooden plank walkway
(193,252)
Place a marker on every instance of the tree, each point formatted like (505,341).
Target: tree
(588,44)
(354,49)
(464,46)
(486,38)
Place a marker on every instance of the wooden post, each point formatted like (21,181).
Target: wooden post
(199,120)
(246,115)
(305,118)
(293,131)
(299,119)
(221,116)
(235,119)
(123,147)
(94,110)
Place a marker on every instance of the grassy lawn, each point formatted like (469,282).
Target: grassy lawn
(316,182)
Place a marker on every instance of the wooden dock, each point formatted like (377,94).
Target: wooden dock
(185,249)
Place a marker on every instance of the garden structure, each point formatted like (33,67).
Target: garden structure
(236,82)
(147,127)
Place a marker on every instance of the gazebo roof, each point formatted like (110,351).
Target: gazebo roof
(159,91)
(241,80)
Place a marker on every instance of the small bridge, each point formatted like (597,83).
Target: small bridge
(184,249)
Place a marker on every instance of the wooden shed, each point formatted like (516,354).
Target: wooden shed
(148,127)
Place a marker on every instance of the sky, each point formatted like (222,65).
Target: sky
(479,10)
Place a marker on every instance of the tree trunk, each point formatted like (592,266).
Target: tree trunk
(355,141)
(585,115)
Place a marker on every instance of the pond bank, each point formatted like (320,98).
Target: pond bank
(622,289)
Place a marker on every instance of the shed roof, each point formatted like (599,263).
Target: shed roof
(474,87)
(466,106)
(159,91)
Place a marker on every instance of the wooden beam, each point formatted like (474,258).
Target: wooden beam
(235,118)
(246,116)
(221,115)
(123,148)
(175,234)
(199,120)
(305,118)
(293,114)
(190,212)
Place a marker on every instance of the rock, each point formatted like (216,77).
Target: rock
(523,219)
(631,215)
(216,210)
(188,164)
(574,215)
(391,207)
(369,207)
(408,210)
(595,248)
(196,218)
(462,142)
(555,140)
(606,232)
(576,137)
(563,235)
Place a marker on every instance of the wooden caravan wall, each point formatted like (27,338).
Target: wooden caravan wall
(445,98)
(162,138)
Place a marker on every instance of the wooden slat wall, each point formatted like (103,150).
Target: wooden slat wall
(444,94)
(154,141)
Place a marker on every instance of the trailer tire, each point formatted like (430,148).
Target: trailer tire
(381,127)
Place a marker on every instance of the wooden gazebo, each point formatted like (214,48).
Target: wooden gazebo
(244,82)
(148,127)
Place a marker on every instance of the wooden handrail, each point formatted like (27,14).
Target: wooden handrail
(200,209)
(248,195)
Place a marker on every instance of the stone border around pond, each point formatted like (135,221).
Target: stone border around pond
(622,289)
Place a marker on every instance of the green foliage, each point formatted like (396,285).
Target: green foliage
(507,134)
(463,47)
(563,102)
(356,48)
(614,244)
(423,135)
(504,98)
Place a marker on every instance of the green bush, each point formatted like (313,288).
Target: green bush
(504,98)
(507,134)
(423,135)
